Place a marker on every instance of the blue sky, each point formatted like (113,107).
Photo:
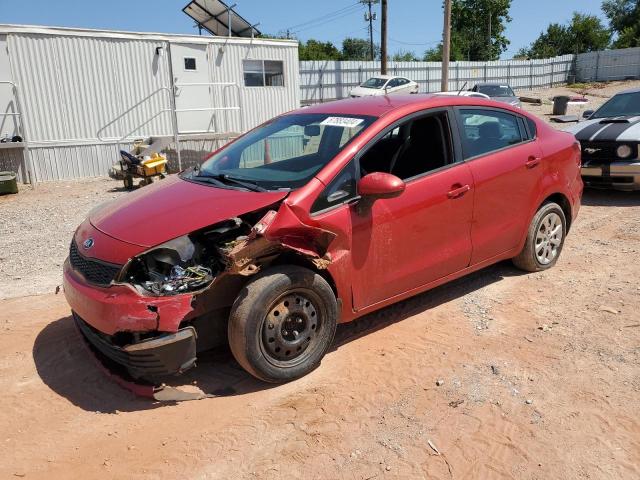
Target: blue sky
(413,24)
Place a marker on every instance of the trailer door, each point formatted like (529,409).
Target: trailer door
(191,77)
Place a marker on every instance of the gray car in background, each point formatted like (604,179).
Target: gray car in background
(498,92)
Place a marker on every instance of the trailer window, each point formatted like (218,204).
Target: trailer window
(263,73)
(190,63)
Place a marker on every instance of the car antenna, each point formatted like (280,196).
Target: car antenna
(460,91)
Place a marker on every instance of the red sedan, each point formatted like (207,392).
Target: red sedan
(315,218)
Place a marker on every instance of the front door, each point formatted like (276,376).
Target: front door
(414,239)
(403,243)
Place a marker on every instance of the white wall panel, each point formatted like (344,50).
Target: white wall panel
(608,65)
(75,82)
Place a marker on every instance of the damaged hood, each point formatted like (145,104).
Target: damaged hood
(174,207)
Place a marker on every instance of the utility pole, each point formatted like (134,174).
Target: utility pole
(446,44)
(490,53)
(383,39)
(370,17)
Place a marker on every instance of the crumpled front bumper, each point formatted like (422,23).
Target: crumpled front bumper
(103,313)
(163,355)
(618,175)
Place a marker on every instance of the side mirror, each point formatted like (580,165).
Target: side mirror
(587,113)
(380,185)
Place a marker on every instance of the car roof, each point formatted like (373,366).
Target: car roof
(386,77)
(381,105)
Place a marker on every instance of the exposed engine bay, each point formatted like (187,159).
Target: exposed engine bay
(191,263)
(185,264)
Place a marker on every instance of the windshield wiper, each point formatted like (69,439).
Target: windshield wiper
(224,178)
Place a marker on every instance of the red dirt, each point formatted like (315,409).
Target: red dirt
(497,340)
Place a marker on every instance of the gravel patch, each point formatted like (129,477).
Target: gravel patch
(36,227)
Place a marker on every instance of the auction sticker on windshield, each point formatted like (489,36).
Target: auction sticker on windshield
(347,122)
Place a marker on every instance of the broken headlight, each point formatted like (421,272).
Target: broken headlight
(178,266)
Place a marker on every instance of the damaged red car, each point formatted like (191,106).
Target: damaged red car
(314,218)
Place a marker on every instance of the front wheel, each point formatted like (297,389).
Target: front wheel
(282,323)
(545,239)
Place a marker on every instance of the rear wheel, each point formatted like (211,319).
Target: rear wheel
(545,239)
(282,323)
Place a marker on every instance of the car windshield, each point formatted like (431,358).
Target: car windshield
(621,105)
(496,90)
(284,153)
(374,82)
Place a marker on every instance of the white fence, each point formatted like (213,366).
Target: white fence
(322,81)
(608,65)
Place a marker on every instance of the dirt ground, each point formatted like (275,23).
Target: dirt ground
(497,375)
(595,93)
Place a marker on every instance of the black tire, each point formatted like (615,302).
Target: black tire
(528,259)
(128,182)
(270,304)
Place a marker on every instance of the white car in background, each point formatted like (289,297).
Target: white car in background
(384,85)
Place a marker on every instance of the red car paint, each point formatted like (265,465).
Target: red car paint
(121,308)
(443,226)
(173,208)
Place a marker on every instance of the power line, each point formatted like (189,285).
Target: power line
(329,17)
(433,42)
(336,12)
(325,22)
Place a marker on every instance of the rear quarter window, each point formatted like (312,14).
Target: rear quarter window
(533,129)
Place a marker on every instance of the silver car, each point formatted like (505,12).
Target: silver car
(498,92)
(610,140)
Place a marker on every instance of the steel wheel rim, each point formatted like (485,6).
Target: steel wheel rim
(291,328)
(548,238)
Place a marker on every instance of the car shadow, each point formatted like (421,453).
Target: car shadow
(425,301)
(65,364)
(593,197)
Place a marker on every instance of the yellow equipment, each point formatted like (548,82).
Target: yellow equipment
(134,165)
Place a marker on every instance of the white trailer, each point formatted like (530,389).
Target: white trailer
(76,95)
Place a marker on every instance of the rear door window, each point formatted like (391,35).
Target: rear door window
(485,131)
(393,83)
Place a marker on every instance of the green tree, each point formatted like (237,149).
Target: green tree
(315,50)
(522,54)
(585,33)
(624,18)
(404,56)
(358,49)
(477,31)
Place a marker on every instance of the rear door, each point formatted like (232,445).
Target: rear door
(505,161)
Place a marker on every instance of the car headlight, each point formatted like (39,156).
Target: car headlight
(174,267)
(624,151)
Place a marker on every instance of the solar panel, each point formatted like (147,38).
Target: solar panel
(215,16)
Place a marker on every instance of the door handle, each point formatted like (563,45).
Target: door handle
(458,191)
(532,162)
